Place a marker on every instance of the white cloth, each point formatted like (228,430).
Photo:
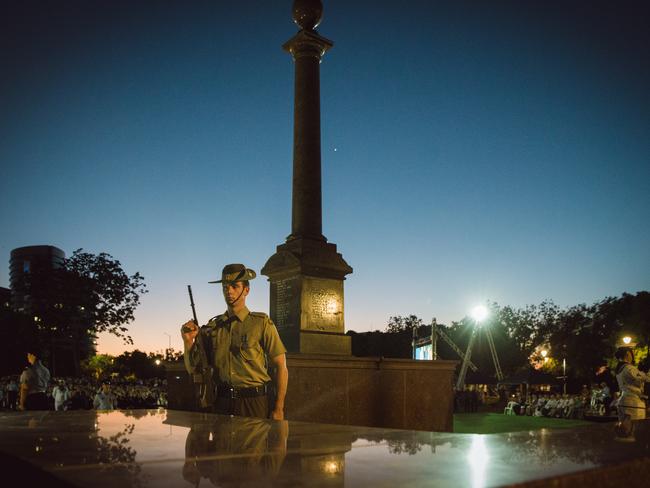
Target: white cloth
(632,401)
(60,395)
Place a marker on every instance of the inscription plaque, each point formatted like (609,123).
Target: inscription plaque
(286,296)
(322,305)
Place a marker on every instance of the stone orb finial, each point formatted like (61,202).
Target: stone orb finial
(307,14)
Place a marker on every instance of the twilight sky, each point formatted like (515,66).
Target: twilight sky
(471,151)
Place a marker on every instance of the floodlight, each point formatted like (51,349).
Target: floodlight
(627,340)
(479,313)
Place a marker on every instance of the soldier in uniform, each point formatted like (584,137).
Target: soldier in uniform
(33,383)
(631,404)
(240,344)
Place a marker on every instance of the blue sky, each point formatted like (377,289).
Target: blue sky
(471,151)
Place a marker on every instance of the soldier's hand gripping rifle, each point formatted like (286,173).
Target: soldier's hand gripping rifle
(203,375)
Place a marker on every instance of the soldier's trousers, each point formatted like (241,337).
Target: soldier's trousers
(244,407)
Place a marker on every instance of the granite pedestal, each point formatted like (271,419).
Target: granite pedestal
(373,392)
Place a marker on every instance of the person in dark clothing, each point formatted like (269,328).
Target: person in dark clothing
(79,400)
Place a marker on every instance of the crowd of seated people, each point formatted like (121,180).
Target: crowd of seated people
(596,400)
(80,393)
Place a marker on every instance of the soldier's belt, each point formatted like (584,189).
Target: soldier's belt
(229,391)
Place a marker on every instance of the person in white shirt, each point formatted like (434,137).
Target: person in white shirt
(104,399)
(631,404)
(61,395)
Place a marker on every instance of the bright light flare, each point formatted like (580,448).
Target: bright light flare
(479,313)
(627,340)
(331,467)
(332,306)
(544,353)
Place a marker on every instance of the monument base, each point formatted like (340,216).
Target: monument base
(370,391)
(316,343)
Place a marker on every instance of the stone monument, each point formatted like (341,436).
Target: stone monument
(326,383)
(306,273)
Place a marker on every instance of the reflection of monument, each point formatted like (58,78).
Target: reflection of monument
(306,272)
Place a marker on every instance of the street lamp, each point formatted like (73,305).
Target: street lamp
(627,340)
(479,314)
(157,362)
(169,349)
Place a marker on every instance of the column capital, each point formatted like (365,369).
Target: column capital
(307,44)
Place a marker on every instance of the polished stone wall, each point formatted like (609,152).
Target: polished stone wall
(373,392)
(376,392)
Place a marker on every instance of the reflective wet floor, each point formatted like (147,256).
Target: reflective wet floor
(147,448)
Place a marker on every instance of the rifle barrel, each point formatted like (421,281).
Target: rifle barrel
(189,290)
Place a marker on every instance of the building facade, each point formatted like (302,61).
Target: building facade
(31,275)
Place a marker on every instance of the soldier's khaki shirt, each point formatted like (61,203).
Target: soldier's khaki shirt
(240,346)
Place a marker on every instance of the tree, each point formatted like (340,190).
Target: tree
(139,364)
(100,294)
(18,332)
(93,294)
(99,366)
(585,336)
(400,324)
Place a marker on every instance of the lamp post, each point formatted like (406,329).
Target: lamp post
(478,314)
(170,345)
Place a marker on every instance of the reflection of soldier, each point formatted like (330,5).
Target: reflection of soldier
(234,450)
(631,404)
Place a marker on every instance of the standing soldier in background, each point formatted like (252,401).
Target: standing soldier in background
(239,344)
(33,383)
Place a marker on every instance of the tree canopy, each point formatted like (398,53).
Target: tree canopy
(70,304)
(583,336)
(95,293)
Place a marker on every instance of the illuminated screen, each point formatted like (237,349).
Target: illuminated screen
(423,352)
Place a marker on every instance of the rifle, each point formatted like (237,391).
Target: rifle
(203,376)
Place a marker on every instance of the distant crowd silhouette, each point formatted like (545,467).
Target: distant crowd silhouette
(597,401)
(80,393)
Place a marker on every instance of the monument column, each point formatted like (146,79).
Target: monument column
(307,48)
(306,272)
